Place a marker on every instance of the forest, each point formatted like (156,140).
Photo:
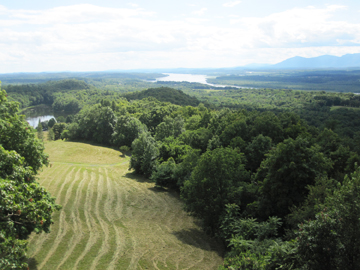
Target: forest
(271,172)
(329,80)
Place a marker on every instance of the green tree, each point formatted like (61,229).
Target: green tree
(170,127)
(215,181)
(256,150)
(58,128)
(285,174)
(126,130)
(39,130)
(144,153)
(163,175)
(97,124)
(51,135)
(332,239)
(51,122)
(25,206)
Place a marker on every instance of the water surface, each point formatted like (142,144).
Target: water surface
(41,112)
(176,77)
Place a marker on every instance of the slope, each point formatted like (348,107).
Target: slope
(113,219)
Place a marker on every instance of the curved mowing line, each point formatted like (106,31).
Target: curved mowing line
(122,222)
(90,222)
(69,190)
(119,203)
(43,237)
(75,215)
(46,172)
(54,175)
(134,256)
(120,244)
(63,224)
(61,232)
(109,212)
(67,179)
(81,164)
(105,244)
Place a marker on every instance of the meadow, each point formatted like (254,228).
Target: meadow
(114,219)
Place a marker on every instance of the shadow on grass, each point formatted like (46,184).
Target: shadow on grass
(138,177)
(33,264)
(158,189)
(199,239)
(93,144)
(142,179)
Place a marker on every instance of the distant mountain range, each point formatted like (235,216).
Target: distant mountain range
(324,61)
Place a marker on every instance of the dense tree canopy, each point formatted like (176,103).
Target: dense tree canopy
(215,181)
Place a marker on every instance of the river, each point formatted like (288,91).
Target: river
(175,77)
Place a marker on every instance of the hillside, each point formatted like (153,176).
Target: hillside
(165,94)
(113,219)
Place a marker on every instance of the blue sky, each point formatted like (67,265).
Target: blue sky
(96,35)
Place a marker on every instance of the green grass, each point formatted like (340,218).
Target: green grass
(114,219)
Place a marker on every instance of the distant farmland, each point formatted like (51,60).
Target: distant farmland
(113,219)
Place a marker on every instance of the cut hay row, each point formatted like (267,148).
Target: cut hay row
(113,219)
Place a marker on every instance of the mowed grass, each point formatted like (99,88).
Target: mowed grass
(114,219)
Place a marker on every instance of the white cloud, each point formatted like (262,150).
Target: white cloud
(133,5)
(231,4)
(200,12)
(299,27)
(88,37)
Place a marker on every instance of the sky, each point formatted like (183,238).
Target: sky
(92,35)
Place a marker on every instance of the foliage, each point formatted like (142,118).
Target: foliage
(24,205)
(58,129)
(17,135)
(170,127)
(163,175)
(39,130)
(126,130)
(332,239)
(171,147)
(285,174)
(215,181)
(97,124)
(184,169)
(144,153)
(51,135)
(165,94)
(254,245)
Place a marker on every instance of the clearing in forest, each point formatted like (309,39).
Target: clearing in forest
(114,219)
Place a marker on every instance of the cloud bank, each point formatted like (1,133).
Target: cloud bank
(88,37)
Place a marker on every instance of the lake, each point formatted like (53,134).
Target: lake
(34,114)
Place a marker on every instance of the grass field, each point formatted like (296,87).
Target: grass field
(113,219)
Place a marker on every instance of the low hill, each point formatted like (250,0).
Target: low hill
(51,86)
(165,94)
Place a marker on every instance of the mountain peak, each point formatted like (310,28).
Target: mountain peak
(323,61)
